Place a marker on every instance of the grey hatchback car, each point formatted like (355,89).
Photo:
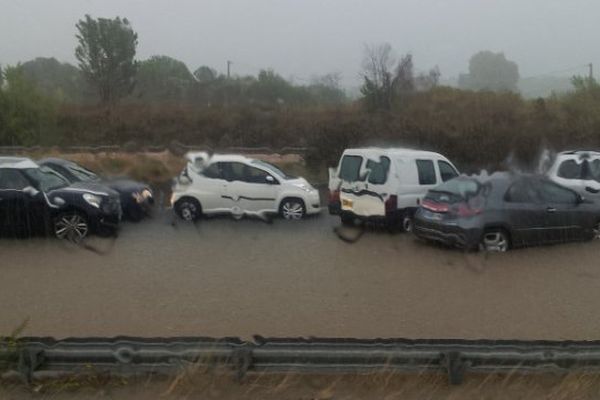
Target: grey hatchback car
(505,210)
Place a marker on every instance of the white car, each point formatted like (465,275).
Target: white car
(385,184)
(237,185)
(578,170)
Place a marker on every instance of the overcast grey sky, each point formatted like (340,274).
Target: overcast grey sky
(305,37)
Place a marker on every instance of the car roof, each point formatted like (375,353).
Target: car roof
(54,160)
(505,177)
(17,162)
(192,156)
(579,153)
(393,151)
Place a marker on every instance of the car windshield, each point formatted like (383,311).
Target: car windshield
(272,168)
(45,178)
(81,173)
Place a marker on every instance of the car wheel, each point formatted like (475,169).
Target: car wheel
(596,231)
(347,220)
(72,226)
(407,223)
(495,240)
(135,214)
(292,209)
(188,209)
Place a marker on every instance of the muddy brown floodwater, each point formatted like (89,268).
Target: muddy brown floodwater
(162,277)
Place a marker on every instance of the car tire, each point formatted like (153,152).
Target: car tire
(495,240)
(347,220)
(71,225)
(596,231)
(135,213)
(188,209)
(407,223)
(292,209)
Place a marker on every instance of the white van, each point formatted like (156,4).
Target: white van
(385,184)
(578,170)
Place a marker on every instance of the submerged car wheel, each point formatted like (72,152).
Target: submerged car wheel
(596,231)
(72,226)
(188,209)
(494,240)
(407,223)
(347,220)
(292,209)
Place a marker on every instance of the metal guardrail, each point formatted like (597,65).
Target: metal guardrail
(33,358)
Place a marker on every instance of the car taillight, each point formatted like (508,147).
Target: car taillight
(434,206)
(464,210)
(334,196)
(391,204)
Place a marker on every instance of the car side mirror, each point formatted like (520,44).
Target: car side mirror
(580,199)
(31,191)
(270,180)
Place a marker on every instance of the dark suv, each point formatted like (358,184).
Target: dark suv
(36,200)
(136,197)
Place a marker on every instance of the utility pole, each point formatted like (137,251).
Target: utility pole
(591,71)
(229,69)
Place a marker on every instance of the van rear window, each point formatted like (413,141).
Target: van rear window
(350,168)
(378,170)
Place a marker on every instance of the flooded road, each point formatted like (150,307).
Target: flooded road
(162,277)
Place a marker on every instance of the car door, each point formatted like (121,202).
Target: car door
(257,190)
(21,212)
(563,218)
(210,187)
(248,189)
(525,213)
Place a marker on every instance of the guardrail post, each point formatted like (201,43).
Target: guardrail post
(242,359)
(455,367)
(29,361)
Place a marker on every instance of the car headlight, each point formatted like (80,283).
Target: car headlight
(142,196)
(92,199)
(306,188)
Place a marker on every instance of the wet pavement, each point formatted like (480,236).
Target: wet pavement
(221,277)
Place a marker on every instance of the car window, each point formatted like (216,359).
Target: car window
(426,172)
(45,178)
(213,171)
(255,175)
(273,168)
(594,170)
(569,169)
(12,179)
(350,168)
(378,170)
(233,171)
(522,192)
(447,172)
(553,193)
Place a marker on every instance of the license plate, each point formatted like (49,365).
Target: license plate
(346,203)
(432,216)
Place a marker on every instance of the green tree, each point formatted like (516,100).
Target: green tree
(106,53)
(490,71)
(162,78)
(61,81)
(27,117)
